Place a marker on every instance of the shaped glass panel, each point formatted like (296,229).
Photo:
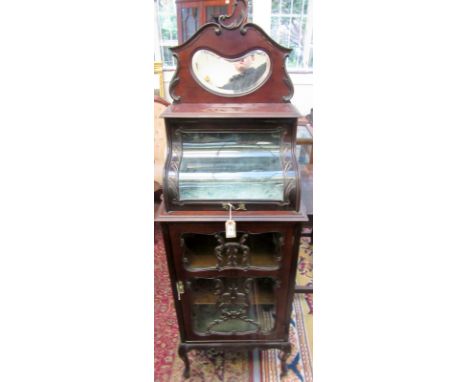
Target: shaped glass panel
(233,306)
(231,166)
(231,76)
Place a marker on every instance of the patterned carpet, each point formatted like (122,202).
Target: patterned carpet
(220,366)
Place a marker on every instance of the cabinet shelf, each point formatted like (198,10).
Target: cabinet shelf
(258,260)
(261,297)
(263,321)
(247,251)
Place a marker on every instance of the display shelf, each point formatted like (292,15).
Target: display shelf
(205,252)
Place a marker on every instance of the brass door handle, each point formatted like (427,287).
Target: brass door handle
(180,289)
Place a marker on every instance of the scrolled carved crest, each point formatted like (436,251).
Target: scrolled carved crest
(237,18)
(231,37)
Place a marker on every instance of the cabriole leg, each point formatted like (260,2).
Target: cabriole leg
(184,357)
(284,357)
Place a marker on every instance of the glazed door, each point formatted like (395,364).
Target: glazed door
(233,288)
(233,306)
(189,21)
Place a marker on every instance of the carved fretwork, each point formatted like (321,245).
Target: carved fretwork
(233,303)
(237,18)
(290,182)
(229,254)
(174,167)
(232,254)
(288,82)
(278,242)
(175,80)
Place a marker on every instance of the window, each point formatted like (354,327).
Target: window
(289,23)
(167,25)
(291,27)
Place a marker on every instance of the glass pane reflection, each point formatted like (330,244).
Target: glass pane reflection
(233,306)
(189,22)
(234,76)
(231,166)
(209,251)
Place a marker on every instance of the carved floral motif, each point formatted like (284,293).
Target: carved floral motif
(231,253)
(233,303)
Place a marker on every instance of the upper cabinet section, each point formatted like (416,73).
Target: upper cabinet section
(249,162)
(231,61)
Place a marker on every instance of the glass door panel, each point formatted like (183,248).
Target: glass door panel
(212,13)
(189,22)
(246,251)
(233,306)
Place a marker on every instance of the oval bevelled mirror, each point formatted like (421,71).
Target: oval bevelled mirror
(231,76)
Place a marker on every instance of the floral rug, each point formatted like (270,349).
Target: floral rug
(304,275)
(226,366)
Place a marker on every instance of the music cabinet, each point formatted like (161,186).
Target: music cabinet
(231,215)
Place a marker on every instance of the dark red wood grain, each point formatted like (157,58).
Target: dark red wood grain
(195,108)
(229,43)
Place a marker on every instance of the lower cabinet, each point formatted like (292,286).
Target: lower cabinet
(233,307)
(233,292)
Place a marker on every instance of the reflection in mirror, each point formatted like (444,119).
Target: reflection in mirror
(231,77)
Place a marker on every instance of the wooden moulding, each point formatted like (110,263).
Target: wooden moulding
(231,110)
(161,215)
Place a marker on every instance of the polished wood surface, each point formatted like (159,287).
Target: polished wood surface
(282,274)
(162,215)
(267,108)
(231,40)
(231,110)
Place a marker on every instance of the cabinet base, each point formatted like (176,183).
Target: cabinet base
(285,347)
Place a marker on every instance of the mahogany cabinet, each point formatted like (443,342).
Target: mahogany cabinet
(231,213)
